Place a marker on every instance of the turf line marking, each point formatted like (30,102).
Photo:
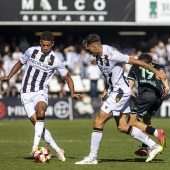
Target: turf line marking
(70,141)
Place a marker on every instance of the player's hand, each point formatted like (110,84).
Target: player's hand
(161,75)
(77,96)
(104,97)
(164,93)
(4,79)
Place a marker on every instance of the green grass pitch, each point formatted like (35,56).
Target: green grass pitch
(116,150)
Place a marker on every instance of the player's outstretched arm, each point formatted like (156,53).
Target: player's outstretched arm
(70,83)
(14,70)
(158,74)
(166,85)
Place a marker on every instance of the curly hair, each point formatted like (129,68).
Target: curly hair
(47,35)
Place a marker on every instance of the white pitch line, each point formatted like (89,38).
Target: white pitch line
(64,141)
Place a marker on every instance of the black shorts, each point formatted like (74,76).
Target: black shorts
(146,102)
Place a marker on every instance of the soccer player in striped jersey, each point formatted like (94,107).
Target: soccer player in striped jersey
(149,98)
(41,63)
(118,93)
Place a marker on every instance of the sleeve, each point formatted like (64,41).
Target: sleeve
(61,68)
(117,56)
(24,58)
(131,74)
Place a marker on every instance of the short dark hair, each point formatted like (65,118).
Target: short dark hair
(91,38)
(147,58)
(47,35)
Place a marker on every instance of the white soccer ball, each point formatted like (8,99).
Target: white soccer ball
(42,154)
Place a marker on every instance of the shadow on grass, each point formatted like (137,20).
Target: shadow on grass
(32,158)
(130,160)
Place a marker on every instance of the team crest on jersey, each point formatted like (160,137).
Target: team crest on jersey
(119,95)
(105,61)
(117,99)
(48,60)
(111,54)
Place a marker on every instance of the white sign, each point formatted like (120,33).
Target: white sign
(61,109)
(153,11)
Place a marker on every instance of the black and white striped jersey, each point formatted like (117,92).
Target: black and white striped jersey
(110,64)
(39,69)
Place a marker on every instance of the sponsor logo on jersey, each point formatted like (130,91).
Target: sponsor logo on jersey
(111,54)
(105,61)
(38,63)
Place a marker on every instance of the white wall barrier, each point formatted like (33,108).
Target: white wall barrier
(165,109)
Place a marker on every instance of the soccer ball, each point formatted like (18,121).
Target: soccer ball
(42,154)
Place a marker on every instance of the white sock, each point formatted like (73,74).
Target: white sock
(139,135)
(95,143)
(46,136)
(156,133)
(39,126)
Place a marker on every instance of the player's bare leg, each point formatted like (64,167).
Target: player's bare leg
(139,135)
(46,136)
(96,137)
(158,133)
(39,125)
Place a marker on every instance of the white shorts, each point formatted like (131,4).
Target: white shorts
(30,100)
(117,103)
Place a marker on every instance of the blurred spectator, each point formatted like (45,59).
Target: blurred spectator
(154,55)
(131,52)
(72,60)
(6,56)
(19,77)
(94,74)
(8,65)
(168,49)
(6,50)
(153,40)
(23,44)
(59,53)
(84,60)
(62,82)
(17,54)
(78,63)
(142,44)
(168,72)
(13,43)
(2,74)
(162,55)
